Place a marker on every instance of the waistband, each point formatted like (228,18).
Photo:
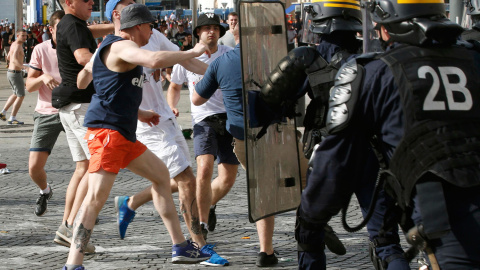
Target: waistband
(14,71)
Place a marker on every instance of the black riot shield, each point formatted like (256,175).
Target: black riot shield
(273,170)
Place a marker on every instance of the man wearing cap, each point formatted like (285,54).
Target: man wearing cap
(210,138)
(165,140)
(181,34)
(112,120)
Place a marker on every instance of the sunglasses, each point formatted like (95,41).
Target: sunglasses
(152,26)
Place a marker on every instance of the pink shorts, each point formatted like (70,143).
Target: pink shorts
(110,151)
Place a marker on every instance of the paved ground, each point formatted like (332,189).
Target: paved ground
(26,240)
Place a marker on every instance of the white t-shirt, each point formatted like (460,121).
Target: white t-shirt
(153,97)
(215,104)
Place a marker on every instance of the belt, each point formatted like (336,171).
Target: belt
(14,71)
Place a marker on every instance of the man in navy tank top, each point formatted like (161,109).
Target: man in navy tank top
(112,120)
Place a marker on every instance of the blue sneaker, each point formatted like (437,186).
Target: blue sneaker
(188,254)
(78,268)
(124,214)
(215,260)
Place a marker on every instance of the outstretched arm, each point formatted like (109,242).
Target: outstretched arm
(130,53)
(195,66)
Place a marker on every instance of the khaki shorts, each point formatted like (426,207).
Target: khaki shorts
(46,129)
(72,117)
(17,83)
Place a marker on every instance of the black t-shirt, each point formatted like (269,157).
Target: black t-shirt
(5,37)
(180,36)
(72,34)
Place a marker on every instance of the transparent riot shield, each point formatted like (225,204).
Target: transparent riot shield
(307,35)
(370,38)
(273,171)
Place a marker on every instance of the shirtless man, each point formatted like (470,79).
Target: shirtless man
(15,77)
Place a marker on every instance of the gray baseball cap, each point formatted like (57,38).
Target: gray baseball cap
(135,14)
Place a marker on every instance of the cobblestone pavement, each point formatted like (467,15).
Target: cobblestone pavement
(26,241)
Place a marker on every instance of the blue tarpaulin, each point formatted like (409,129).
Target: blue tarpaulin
(291,8)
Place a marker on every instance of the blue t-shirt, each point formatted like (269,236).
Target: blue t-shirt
(117,96)
(225,73)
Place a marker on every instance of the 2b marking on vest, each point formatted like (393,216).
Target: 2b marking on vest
(430,104)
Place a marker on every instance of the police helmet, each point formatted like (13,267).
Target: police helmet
(415,22)
(392,11)
(473,7)
(327,16)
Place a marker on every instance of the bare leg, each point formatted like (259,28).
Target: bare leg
(36,168)
(140,198)
(76,191)
(265,234)
(204,189)
(11,99)
(188,205)
(227,173)
(145,196)
(100,184)
(79,196)
(149,166)
(16,105)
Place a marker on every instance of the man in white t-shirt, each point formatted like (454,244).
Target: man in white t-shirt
(210,138)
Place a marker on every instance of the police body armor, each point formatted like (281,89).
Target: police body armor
(321,81)
(441,142)
(441,106)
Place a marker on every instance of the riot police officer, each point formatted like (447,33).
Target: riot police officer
(419,105)
(473,9)
(337,28)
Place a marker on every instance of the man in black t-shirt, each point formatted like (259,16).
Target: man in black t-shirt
(6,41)
(75,46)
(181,34)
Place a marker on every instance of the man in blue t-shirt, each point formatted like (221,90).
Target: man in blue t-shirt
(226,73)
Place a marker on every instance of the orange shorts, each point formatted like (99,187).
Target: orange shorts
(110,151)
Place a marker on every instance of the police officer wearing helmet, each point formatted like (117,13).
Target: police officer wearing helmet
(419,105)
(337,26)
(473,9)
